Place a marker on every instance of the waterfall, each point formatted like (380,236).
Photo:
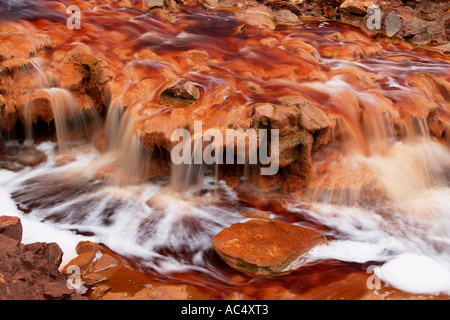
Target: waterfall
(396,161)
(124,145)
(73,125)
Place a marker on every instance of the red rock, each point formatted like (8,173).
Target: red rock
(264,248)
(8,246)
(30,272)
(11,227)
(57,291)
(87,246)
(84,261)
(105,262)
(40,105)
(255,214)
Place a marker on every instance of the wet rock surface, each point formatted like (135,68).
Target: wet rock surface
(108,276)
(264,248)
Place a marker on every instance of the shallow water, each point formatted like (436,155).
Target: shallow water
(169,234)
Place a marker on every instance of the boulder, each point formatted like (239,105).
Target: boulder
(303,128)
(264,248)
(30,272)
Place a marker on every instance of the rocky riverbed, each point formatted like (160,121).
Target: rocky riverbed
(358,93)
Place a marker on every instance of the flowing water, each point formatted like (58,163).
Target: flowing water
(382,198)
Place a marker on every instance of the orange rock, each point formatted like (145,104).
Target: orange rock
(356,6)
(286,17)
(264,248)
(87,246)
(84,261)
(105,262)
(20,40)
(258,17)
(434,88)
(256,214)
(40,105)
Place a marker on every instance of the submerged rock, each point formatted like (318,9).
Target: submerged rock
(109,277)
(264,248)
(31,157)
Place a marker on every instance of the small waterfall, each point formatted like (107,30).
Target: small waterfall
(188,177)
(113,125)
(34,70)
(124,144)
(73,125)
(41,79)
(28,124)
(400,163)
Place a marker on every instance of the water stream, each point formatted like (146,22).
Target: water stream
(380,193)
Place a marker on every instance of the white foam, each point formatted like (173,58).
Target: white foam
(348,250)
(36,231)
(411,240)
(416,273)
